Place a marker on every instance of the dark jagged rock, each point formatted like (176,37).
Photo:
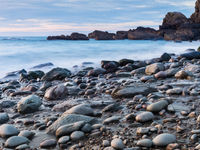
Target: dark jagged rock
(121,35)
(78,36)
(195,17)
(101,35)
(56,74)
(142,33)
(191,55)
(59,37)
(109,66)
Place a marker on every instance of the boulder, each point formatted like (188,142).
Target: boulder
(96,72)
(56,74)
(142,33)
(191,55)
(56,92)
(59,37)
(101,35)
(78,36)
(109,66)
(173,20)
(8,130)
(29,104)
(132,90)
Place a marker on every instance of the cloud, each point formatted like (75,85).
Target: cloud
(178,3)
(50,26)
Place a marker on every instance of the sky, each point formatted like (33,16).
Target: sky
(55,17)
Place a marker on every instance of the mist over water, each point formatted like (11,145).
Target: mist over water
(25,52)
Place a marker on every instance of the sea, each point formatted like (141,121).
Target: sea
(18,53)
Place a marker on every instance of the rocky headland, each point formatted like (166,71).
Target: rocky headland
(175,27)
(123,105)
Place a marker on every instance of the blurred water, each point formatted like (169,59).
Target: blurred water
(25,52)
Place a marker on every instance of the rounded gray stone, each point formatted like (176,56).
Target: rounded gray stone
(63,139)
(8,130)
(27,134)
(144,117)
(15,141)
(145,143)
(164,139)
(77,135)
(4,118)
(117,144)
(48,143)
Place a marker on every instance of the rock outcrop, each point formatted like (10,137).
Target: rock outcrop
(101,35)
(175,26)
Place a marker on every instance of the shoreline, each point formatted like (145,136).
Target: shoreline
(122,104)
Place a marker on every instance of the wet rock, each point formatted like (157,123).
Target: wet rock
(15,141)
(111,107)
(144,117)
(45,86)
(174,91)
(49,64)
(82,109)
(164,139)
(69,128)
(86,128)
(27,134)
(56,92)
(111,120)
(4,118)
(158,106)
(48,144)
(165,57)
(191,55)
(182,75)
(77,135)
(138,71)
(132,90)
(29,104)
(117,144)
(110,66)
(124,62)
(154,68)
(7,130)
(66,119)
(35,74)
(96,72)
(145,143)
(56,74)
(161,75)
(22,147)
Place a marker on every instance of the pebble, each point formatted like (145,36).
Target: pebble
(77,135)
(4,118)
(8,130)
(164,139)
(117,144)
(15,141)
(144,117)
(145,143)
(48,143)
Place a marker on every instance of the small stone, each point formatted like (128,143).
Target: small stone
(7,130)
(112,119)
(141,130)
(158,106)
(106,143)
(145,143)
(77,135)
(22,147)
(4,118)
(144,117)
(175,91)
(48,143)
(15,141)
(154,68)
(63,139)
(117,144)
(164,139)
(27,134)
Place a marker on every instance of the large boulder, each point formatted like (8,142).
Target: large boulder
(101,35)
(195,17)
(29,104)
(173,20)
(142,33)
(78,36)
(132,90)
(56,74)
(56,92)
